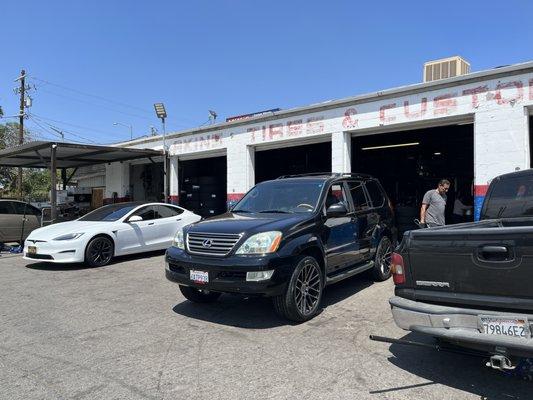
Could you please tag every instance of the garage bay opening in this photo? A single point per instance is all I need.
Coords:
(409, 163)
(202, 185)
(270, 164)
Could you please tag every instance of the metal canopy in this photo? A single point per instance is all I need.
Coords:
(69, 155)
(61, 155)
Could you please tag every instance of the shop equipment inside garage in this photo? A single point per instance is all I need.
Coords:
(202, 184)
(303, 159)
(409, 163)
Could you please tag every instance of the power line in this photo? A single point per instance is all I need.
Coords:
(74, 125)
(36, 120)
(119, 103)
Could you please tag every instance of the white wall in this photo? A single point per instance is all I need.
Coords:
(497, 107)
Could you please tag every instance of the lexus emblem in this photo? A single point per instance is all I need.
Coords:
(207, 243)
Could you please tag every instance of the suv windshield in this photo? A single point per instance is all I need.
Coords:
(112, 212)
(282, 196)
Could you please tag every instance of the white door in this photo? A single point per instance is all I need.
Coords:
(138, 236)
(170, 220)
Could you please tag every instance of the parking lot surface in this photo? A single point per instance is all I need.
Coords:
(124, 332)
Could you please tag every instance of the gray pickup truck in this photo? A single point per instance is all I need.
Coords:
(472, 284)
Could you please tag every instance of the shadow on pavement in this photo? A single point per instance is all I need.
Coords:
(48, 266)
(462, 372)
(258, 312)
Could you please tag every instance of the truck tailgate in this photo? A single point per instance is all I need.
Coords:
(487, 264)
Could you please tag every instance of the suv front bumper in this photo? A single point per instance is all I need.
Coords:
(228, 274)
(459, 326)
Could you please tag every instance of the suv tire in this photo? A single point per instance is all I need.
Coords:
(198, 296)
(301, 300)
(382, 261)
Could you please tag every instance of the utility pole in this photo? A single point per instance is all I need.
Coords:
(22, 90)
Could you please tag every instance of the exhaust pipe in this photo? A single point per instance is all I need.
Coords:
(501, 363)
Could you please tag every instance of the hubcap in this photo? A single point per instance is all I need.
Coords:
(101, 251)
(385, 258)
(307, 292)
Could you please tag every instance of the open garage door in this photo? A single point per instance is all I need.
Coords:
(270, 164)
(147, 182)
(202, 185)
(408, 163)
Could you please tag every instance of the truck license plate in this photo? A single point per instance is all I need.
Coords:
(32, 250)
(199, 276)
(507, 326)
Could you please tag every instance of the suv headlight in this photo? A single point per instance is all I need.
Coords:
(261, 243)
(69, 236)
(178, 240)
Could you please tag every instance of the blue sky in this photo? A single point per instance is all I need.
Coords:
(98, 62)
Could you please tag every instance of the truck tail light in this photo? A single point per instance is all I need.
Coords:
(398, 269)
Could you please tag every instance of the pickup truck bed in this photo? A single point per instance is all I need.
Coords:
(471, 284)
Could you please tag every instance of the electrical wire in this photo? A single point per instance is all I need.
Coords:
(74, 125)
(36, 121)
(119, 103)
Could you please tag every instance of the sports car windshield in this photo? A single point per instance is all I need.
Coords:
(112, 212)
(283, 196)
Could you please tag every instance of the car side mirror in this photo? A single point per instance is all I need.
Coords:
(135, 218)
(336, 210)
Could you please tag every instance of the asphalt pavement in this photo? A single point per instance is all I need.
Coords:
(124, 332)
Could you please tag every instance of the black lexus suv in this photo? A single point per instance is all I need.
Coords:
(287, 239)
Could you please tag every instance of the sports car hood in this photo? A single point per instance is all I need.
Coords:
(250, 223)
(52, 231)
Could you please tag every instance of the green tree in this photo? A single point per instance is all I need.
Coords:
(36, 183)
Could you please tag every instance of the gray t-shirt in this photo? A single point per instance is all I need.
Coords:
(436, 205)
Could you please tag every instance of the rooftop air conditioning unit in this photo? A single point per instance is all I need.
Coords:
(445, 68)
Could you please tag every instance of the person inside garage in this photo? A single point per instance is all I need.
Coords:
(434, 205)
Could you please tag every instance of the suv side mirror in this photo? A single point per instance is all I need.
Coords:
(336, 210)
(135, 218)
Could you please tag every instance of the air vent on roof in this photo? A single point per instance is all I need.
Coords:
(445, 68)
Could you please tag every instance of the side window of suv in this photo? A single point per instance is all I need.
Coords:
(375, 193)
(359, 199)
(336, 194)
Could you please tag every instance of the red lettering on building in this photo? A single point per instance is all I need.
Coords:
(474, 93)
(513, 84)
(275, 130)
(315, 125)
(252, 131)
(348, 121)
(416, 114)
(445, 104)
(382, 109)
(295, 127)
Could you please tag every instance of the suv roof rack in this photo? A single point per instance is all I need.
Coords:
(330, 174)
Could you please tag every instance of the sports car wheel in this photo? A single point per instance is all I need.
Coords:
(99, 251)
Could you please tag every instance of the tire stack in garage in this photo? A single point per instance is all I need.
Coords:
(203, 196)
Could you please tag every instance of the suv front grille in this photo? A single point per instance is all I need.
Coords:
(213, 244)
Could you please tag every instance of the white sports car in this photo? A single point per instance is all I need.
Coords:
(108, 231)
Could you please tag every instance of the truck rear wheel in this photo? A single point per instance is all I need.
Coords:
(382, 262)
(198, 296)
(303, 295)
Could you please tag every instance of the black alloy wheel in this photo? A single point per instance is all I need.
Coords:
(99, 251)
(382, 261)
(301, 300)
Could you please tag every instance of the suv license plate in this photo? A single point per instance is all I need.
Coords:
(32, 250)
(199, 276)
(507, 326)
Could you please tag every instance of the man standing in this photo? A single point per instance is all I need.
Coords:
(434, 205)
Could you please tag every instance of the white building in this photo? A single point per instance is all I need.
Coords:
(468, 129)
